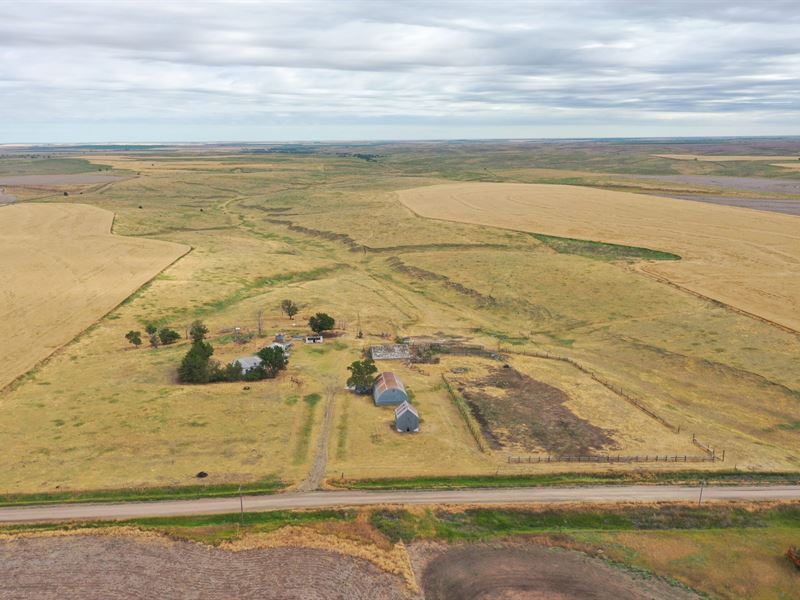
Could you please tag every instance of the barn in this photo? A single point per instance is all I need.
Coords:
(388, 389)
(406, 418)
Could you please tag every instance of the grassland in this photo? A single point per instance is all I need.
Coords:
(727, 254)
(328, 232)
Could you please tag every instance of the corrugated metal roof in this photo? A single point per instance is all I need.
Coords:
(388, 381)
(403, 408)
(248, 362)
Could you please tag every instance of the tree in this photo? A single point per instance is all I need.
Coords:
(230, 372)
(154, 341)
(198, 332)
(150, 329)
(168, 336)
(134, 337)
(195, 366)
(274, 360)
(290, 308)
(321, 322)
(362, 374)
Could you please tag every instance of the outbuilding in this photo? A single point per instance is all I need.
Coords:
(388, 389)
(284, 346)
(248, 363)
(406, 418)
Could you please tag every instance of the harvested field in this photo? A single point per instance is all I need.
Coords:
(725, 157)
(763, 185)
(517, 411)
(62, 270)
(65, 179)
(531, 571)
(788, 207)
(752, 264)
(108, 567)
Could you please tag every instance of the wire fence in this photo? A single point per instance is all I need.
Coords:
(614, 458)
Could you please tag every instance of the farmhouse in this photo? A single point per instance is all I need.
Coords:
(406, 418)
(248, 363)
(390, 352)
(388, 389)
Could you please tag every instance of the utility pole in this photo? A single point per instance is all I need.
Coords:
(260, 322)
(702, 484)
(241, 507)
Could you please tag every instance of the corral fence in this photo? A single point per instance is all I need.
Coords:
(711, 452)
(611, 458)
(466, 414)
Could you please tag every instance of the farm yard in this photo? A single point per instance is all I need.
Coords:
(605, 356)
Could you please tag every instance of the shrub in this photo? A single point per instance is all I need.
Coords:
(134, 337)
(168, 336)
(321, 322)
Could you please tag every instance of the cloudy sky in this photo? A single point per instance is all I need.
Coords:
(202, 71)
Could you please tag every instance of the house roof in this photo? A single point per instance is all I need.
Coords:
(388, 381)
(248, 362)
(404, 408)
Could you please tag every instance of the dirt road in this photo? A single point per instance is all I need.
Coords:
(317, 471)
(331, 499)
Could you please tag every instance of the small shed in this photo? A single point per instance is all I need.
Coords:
(285, 346)
(248, 363)
(388, 389)
(406, 418)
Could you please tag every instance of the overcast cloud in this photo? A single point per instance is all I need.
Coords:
(201, 71)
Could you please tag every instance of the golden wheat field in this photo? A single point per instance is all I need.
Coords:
(62, 269)
(747, 260)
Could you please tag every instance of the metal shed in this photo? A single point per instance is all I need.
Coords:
(248, 363)
(388, 389)
(406, 418)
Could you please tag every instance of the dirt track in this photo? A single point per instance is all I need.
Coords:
(531, 571)
(109, 567)
(593, 494)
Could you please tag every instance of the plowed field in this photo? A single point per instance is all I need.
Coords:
(531, 571)
(109, 567)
